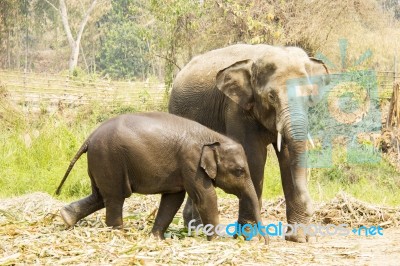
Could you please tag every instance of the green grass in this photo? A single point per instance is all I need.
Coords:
(35, 151)
(372, 182)
(39, 166)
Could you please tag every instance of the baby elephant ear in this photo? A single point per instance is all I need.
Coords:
(209, 160)
(235, 82)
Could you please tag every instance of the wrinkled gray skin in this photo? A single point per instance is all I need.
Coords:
(153, 153)
(240, 91)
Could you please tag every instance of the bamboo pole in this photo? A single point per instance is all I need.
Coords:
(397, 99)
(393, 118)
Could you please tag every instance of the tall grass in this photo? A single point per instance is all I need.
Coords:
(34, 158)
(36, 149)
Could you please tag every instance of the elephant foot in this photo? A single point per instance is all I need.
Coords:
(265, 238)
(191, 222)
(297, 235)
(118, 227)
(296, 238)
(158, 235)
(251, 237)
(211, 237)
(69, 216)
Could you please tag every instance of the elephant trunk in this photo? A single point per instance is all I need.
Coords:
(249, 208)
(249, 212)
(295, 132)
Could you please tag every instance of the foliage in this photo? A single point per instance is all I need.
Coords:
(123, 50)
(173, 32)
(251, 21)
(139, 39)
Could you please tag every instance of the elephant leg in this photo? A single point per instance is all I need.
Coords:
(256, 154)
(75, 211)
(298, 201)
(190, 213)
(169, 205)
(205, 200)
(114, 211)
(208, 211)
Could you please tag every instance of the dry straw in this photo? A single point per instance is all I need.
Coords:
(32, 232)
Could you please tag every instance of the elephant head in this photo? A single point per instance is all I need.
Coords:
(227, 166)
(260, 86)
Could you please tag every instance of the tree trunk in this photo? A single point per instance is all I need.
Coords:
(73, 44)
(73, 61)
(8, 49)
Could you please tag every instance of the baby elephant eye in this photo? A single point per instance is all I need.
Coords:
(239, 171)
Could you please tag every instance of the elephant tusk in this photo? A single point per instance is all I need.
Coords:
(310, 140)
(279, 142)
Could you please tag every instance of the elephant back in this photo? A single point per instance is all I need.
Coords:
(201, 71)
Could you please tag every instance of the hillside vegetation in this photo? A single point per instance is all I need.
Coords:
(136, 39)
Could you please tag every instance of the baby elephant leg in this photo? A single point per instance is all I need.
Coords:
(169, 205)
(205, 200)
(77, 210)
(114, 212)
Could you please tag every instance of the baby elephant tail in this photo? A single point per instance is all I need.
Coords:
(81, 151)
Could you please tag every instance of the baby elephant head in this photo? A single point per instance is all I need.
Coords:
(226, 164)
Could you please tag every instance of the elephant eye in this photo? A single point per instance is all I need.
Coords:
(271, 97)
(239, 172)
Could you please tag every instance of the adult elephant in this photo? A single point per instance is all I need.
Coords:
(241, 91)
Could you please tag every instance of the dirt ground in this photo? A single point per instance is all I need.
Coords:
(351, 250)
(32, 232)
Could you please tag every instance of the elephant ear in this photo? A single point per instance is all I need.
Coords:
(320, 74)
(209, 159)
(235, 82)
(318, 68)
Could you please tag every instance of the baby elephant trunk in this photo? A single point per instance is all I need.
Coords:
(249, 213)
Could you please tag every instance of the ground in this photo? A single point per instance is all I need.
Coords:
(32, 232)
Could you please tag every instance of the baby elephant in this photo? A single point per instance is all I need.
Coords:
(151, 153)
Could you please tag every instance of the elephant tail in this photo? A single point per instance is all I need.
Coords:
(81, 151)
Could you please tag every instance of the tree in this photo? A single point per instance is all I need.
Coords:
(73, 43)
(8, 11)
(123, 52)
(173, 31)
(13, 25)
